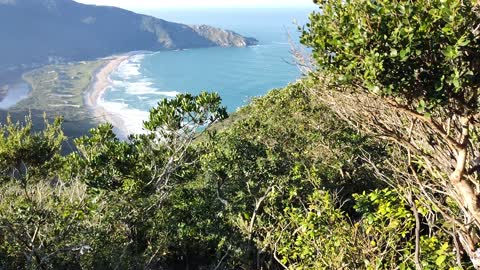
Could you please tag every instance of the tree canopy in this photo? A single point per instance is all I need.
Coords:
(426, 51)
(409, 71)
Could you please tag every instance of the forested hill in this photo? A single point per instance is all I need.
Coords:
(39, 31)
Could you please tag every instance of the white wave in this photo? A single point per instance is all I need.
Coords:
(128, 79)
(118, 100)
(137, 58)
(153, 102)
(130, 68)
(143, 87)
(131, 118)
(115, 84)
(139, 88)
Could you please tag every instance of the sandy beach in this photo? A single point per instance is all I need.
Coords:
(99, 84)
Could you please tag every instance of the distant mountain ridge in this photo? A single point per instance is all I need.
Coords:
(42, 31)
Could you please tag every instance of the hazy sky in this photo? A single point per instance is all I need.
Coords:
(156, 4)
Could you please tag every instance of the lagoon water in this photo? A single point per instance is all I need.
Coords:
(237, 74)
(16, 92)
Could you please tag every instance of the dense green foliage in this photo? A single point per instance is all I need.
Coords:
(274, 186)
(425, 51)
(287, 182)
(412, 68)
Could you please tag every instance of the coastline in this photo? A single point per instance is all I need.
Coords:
(13, 88)
(13, 93)
(99, 84)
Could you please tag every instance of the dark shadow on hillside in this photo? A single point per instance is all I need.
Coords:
(72, 128)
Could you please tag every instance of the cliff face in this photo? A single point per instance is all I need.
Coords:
(223, 38)
(41, 31)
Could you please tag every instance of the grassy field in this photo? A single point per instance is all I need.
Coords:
(58, 90)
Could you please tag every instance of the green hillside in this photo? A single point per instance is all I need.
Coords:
(38, 32)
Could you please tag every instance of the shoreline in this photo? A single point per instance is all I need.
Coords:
(13, 93)
(98, 86)
(13, 88)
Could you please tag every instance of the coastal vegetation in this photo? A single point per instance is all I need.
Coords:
(59, 91)
(370, 161)
(59, 88)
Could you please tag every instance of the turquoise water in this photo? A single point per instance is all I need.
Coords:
(238, 74)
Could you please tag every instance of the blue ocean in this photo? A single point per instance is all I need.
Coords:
(237, 74)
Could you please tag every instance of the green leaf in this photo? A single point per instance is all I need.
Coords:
(450, 52)
(440, 260)
(404, 54)
(421, 106)
(393, 52)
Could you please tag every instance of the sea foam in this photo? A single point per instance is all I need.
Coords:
(131, 67)
(128, 83)
(131, 119)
